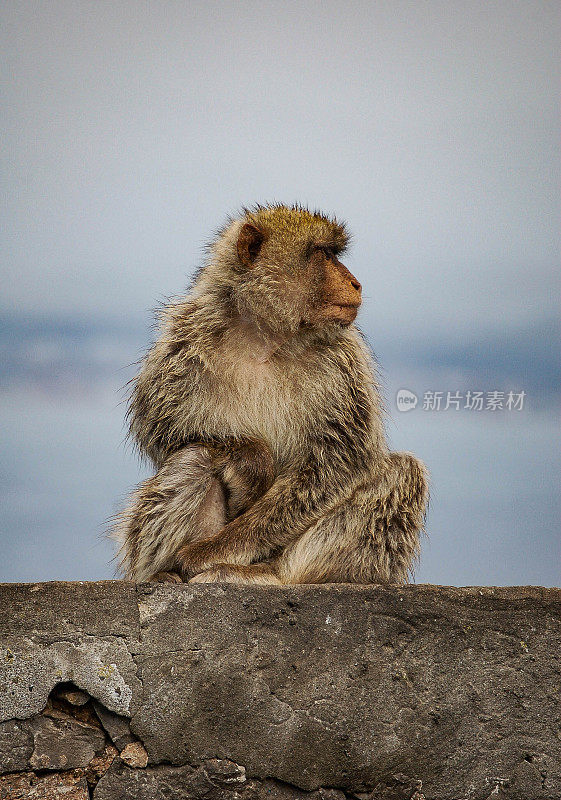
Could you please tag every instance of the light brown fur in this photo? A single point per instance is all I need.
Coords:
(259, 407)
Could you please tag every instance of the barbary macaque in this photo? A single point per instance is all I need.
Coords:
(259, 407)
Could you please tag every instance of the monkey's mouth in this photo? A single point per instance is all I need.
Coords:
(345, 313)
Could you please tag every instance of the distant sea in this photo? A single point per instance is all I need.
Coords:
(494, 516)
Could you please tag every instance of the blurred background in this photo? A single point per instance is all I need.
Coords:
(131, 130)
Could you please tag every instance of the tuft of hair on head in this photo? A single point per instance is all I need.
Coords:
(298, 221)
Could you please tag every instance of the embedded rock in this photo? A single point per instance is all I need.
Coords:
(16, 745)
(134, 755)
(117, 727)
(63, 745)
(73, 696)
(181, 783)
(54, 786)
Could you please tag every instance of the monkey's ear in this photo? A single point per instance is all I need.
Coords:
(250, 240)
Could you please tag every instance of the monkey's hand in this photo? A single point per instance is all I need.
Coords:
(196, 557)
(166, 577)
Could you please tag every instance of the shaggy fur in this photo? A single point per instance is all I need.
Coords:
(259, 407)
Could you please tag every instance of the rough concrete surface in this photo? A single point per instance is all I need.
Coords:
(110, 690)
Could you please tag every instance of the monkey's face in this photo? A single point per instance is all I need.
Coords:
(337, 295)
(297, 277)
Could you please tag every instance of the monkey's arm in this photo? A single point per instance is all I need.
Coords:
(168, 394)
(284, 512)
(396, 490)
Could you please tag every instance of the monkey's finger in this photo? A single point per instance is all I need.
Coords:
(166, 577)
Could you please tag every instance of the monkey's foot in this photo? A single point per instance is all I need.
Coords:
(166, 577)
(211, 575)
(235, 573)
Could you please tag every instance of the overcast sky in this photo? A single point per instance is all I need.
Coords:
(132, 129)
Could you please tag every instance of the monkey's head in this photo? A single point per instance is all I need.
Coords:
(280, 266)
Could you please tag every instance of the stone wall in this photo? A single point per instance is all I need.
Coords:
(112, 691)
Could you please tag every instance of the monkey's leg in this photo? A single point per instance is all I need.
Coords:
(193, 495)
(373, 537)
(182, 502)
